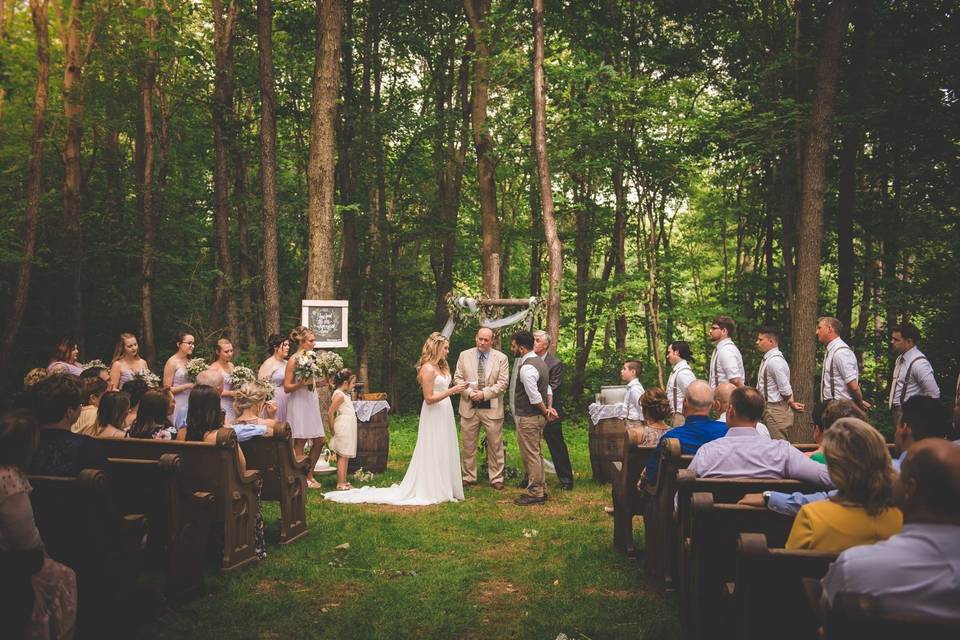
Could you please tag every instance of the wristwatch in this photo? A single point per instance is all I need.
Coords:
(766, 498)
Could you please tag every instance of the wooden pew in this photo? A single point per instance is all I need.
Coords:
(628, 500)
(768, 591)
(179, 526)
(214, 469)
(284, 479)
(82, 528)
(659, 520)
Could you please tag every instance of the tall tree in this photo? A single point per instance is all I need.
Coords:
(810, 224)
(554, 248)
(478, 11)
(320, 173)
(268, 167)
(147, 87)
(38, 13)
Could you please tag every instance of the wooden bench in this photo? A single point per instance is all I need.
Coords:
(208, 468)
(768, 591)
(659, 519)
(178, 526)
(82, 528)
(284, 479)
(628, 500)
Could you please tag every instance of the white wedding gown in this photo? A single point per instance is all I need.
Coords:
(434, 472)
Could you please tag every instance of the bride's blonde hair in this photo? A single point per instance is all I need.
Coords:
(430, 354)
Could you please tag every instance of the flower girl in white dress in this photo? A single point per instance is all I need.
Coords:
(342, 419)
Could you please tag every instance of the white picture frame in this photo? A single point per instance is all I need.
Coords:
(328, 320)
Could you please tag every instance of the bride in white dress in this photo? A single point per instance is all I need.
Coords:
(434, 472)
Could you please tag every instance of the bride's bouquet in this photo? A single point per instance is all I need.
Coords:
(329, 362)
(307, 367)
(242, 374)
(152, 379)
(194, 367)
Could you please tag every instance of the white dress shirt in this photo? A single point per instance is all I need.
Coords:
(920, 383)
(726, 363)
(680, 378)
(631, 401)
(839, 368)
(916, 571)
(773, 378)
(744, 453)
(529, 376)
(761, 428)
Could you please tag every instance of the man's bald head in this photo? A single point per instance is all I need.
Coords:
(484, 339)
(722, 395)
(929, 484)
(698, 399)
(211, 378)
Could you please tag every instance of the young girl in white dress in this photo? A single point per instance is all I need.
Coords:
(344, 427)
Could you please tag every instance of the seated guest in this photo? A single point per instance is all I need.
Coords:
(204, 419)
(744, 453)
(629, 373)
(656, 410)
(153, 418)
(917, 571)
(51, 586)
(721, 403)
(248, 402)
(96, 372)
(861, 511)
(135, 389)
(93, 389)
(696, 430)
(830, 412)
(112, 415)
(61, 452)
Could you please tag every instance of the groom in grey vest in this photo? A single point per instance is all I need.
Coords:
(531, 411)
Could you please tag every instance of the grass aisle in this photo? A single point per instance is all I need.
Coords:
(474, 569)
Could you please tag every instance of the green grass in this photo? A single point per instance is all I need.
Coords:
(463, 570)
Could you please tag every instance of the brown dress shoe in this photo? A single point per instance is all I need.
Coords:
(498, 486)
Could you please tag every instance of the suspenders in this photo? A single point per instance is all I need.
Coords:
(766, 377)
(906, 379)
(830, 370)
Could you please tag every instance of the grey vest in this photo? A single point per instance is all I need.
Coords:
(521, 399)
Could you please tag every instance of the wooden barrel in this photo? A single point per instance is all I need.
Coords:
(606, 446)
(373, 444)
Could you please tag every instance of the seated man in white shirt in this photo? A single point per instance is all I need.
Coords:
(917, 571)
(744, 453)
(721, 402)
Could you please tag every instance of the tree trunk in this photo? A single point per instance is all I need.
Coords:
(554, 248)
(477, 12)
(810, 227)
(620, 255)
(583, 245)
(348, 267)
(224, 26)
(536, 239)
(147, 85)
(38, 12)
(268, 167)
(653, 296)
(245, 262)
(320, 172)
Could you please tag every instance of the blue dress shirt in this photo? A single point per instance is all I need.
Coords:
(693, 433)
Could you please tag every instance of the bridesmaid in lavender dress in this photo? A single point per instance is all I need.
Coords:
(274, 369)
(176, 379)
(127, 362)
(65, 358)
(224, 365)
(303, 405)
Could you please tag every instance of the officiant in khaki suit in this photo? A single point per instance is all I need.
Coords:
(487, 372)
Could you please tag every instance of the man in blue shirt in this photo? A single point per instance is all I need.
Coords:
(698, 429)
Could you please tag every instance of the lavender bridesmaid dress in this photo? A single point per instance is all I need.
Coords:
(181, 398)
(226, 402)
(279, 395)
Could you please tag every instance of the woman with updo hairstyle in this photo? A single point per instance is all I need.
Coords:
(342, 418)
(175, 375)
(65, 357)
(127, 362)
(112, 414)
(862, 511)
(303, 405)
(153, 417)
(249, 404)
(274, 369)
(656, 410)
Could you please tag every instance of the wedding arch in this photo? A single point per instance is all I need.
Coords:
(463, 308)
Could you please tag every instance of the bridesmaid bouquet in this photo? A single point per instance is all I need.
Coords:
(194, 367)
(329, 363)
(152, 379)
(241, 375)
(93, 363)
(307, 367)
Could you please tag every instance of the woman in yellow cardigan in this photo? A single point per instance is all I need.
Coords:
(862, 510)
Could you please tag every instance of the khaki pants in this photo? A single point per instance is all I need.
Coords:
(469, 433)
(678, 420)
(529, 433)
(896, 414)
(778, 417)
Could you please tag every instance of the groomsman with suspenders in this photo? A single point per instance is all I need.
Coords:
(840, 379)
(773, 383)
(680, 357)
(912, 373)
(726, 364)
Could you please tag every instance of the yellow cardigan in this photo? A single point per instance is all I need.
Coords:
(833, 526)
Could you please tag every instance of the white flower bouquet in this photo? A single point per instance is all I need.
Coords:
(152, 379)
(329, 363)
(93, 363)
(194, 367)
(242, 374)
(307, 367)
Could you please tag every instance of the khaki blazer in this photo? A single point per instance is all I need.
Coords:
(495, 385)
